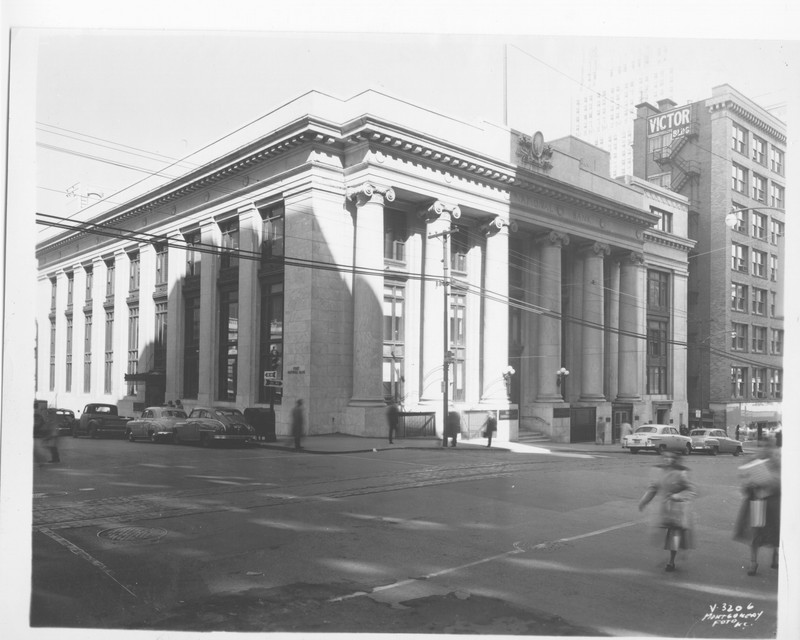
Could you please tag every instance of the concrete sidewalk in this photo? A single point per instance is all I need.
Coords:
(343, 443)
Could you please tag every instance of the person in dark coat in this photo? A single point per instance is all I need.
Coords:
(676, 493)
(452, 428)
(392, 417)
(758, 523)
(298, 422)
(490, 426)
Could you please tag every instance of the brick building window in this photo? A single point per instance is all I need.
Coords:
(759, 342)
(759, 262)
(776, 342)
(758, 381)
(738, 297)
(775, 230)
(759, 301)
(776, 160)
(759, 188)
(759, 150)
(738, 382)
(741, 218)
(739, 339)
(759, 222)
(739, 257)
(739, 138)
(739, 178)
(776, 197)
(776, 383)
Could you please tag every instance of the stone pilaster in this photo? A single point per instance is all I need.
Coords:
(593, 325)
(176, 268)
(632, 329)
(612, 330)
(495, 315)
(209, 311)
(247, 361)
(549, 339)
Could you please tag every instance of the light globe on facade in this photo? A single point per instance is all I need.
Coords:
(563, 371)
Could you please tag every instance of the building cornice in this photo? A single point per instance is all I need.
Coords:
(729, 104)
(669, 240)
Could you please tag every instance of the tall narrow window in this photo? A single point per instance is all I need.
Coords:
(70, 289)
(776, 198)
(657, 356)
(53, 354)
(775, 230)
(133, 348)
(109, 361)
(87, 353)
(393, 341)
(738, 257)
(776, 160)
(53, 290)
(759, 263)
(739, 338)
(192, 253)
(758, 382)
(739, 139)
(110, 277)
(759, 301)
(228, 345)
(759, 226)
(759, 150)
(68, 381)
(738, 297)
(759, 188)
(272, 235)
(89, 284)
(162, 256)
(458, 345)
(459, 246)
(230, 244)
(759, 342)
(776, 383)
(741, 218)
(657, 290)
(271, 343)
(738, 382)
(395, 235)
(160, 340)
(191, 348)
(134, 272)
(776, 342)
(738, 178)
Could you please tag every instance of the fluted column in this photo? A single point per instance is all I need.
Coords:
(368, 294)
(593, 327)
(247, 376)
(549, 339)
(612, 330)
(495, 314)
(631, 327)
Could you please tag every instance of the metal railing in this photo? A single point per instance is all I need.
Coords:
(416, 424)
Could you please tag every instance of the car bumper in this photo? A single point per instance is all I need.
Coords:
(640, 447)
(232, 438)
(700, 448)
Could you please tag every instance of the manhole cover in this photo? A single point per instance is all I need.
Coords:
(132, 534)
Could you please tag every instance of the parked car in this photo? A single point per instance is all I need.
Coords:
(658, 438)
(208, 425)
(155, 423)
(714, 441)
(61, 419)
(100, 419)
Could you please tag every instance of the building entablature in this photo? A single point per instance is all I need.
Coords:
(727, 103)
(669, 240)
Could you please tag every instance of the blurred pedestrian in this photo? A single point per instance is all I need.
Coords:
(489, 427)
(758, 523)
(675, 493)
(392, 418)
(737, 431)
(298, 423)
(452, 428)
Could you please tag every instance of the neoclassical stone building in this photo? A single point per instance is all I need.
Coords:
(335, 246)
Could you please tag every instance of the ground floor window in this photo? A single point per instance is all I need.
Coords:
(133, 347)
(68, 383)
(87, 354)
(458, 344)
(109, 362)
(657, 356)
(228, 345)
(271, 341)
(191, 348)
(393, 341)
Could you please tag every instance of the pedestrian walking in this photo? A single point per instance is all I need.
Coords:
(675, 493)
(298, 423)
(47, 435)
(452, 428)
(489, 427)
(737, 431)
(758, 523)
(392, 417)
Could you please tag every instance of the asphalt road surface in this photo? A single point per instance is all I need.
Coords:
(166, 537)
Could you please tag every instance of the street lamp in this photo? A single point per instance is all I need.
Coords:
(731, 218)
(560, 376)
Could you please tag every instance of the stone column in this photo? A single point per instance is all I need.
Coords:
(176, 268)
(432, 308)
(631, 327)
(495, 315)
(122, 276)
(368, 295)
(209, 311)
(612, 330)
(548, 345)
(247, 363)
(593, 325)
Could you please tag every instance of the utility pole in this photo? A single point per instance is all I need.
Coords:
(447, 356)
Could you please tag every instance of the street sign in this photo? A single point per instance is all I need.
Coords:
(270, 374)
(273, 383)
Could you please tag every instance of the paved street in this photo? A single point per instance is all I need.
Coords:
(411, 538)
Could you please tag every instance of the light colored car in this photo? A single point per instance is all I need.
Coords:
(658, 438)
(714, 441)
(207, 425)
(155, 423)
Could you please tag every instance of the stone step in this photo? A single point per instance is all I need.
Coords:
(532, 436)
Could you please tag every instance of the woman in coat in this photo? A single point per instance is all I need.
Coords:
(675, 493)
(758, 523)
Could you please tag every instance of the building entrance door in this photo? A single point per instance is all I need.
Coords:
(582, 424)
(621, 413)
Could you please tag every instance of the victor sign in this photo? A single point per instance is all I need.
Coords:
(676, 121)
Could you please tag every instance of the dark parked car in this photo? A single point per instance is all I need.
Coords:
(62, 419)
(208, 425)
(100, 419)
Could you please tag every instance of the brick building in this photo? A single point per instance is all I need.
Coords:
(312, 248)
(727, 155)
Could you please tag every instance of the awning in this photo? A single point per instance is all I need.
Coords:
(148, 376)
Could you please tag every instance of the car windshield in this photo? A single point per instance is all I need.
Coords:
(173, 414)
(228, 412)
(647, 430)
(699, 432)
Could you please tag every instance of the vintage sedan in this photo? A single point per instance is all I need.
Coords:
(714, 441)
(61, 421)
(155, 424)
(209, 425)
(658, 438)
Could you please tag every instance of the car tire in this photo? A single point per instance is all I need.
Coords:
(634, 450)
(714, 451)
(131, 438)
(738, 451)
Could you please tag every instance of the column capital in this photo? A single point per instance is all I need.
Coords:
(368, 191)
(435, 211)
(555, 238)
(596, 248)
(497, 225)
(635, 258)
